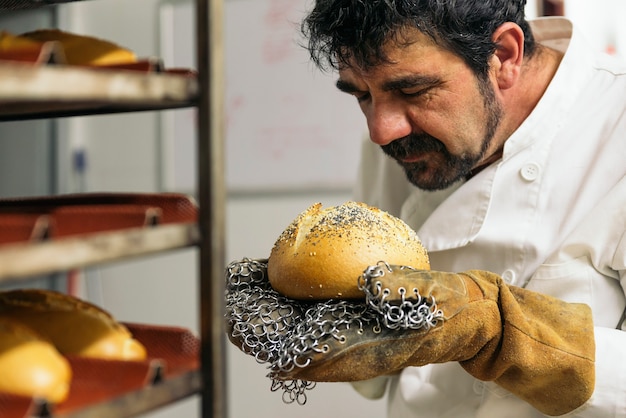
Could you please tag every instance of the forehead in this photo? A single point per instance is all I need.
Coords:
(410, 52)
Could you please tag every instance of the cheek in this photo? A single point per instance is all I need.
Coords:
(459, 126)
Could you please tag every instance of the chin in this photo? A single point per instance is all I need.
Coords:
(430, 181)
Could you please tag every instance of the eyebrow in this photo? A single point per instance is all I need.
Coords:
(346, 86)
(406, 82)
(412, 81)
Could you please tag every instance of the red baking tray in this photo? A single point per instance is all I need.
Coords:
(18, 406)
(171, 351)
(35, 219)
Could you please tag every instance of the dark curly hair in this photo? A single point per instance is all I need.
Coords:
(343, 31)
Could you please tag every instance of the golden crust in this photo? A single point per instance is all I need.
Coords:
(71, 324)
(323, 252)
(46, 300)
(84, 50)
(30, 365)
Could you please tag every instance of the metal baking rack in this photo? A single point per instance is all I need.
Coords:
(60, 91)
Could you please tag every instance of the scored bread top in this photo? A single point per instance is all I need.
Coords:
(315, 225)
(322, 252)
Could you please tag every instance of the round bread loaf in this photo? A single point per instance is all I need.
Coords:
(30, 365)
(323, 252)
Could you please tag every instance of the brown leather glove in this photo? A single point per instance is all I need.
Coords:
(539, 348)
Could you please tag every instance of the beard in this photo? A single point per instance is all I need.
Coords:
(440, 169)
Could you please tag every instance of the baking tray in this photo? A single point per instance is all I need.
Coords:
(171, 352)
(38, 219)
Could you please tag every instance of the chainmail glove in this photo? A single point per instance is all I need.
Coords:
(292, 335)
(537, 347)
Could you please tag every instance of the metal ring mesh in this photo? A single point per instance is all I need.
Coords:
(284, 333)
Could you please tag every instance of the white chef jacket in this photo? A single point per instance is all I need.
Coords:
(549, 216)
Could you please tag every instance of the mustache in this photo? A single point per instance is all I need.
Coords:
(413, 144)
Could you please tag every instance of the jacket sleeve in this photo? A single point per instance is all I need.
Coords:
(373, 388)
(609, 397)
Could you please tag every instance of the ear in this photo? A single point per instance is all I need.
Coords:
(509, 54)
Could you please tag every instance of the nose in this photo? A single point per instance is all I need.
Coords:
(386, 123)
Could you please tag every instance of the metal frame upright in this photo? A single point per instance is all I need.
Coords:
(211, 199)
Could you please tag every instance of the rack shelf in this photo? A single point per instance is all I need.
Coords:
(19, 261)
(129, 403)
(34, 91)
(169, 374)
(143, 400)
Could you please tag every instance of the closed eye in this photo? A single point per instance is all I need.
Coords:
(413, 86)
(361, 97)
(351, 89)
(414, 92)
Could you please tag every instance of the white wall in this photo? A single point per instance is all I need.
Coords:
(602, 21)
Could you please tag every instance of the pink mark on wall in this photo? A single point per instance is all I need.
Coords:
(278, 44)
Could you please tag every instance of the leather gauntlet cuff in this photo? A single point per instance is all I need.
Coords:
(546, 351)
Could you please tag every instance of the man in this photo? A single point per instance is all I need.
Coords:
(503, 145)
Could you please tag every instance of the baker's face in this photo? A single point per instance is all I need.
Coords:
(428, 111)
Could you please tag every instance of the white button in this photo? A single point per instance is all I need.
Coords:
(508, 276)
(530, 171)
(479, 387)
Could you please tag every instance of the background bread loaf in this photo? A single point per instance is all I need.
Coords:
(30, 365)
(72, 325)
(82, 49)
(322, 253)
